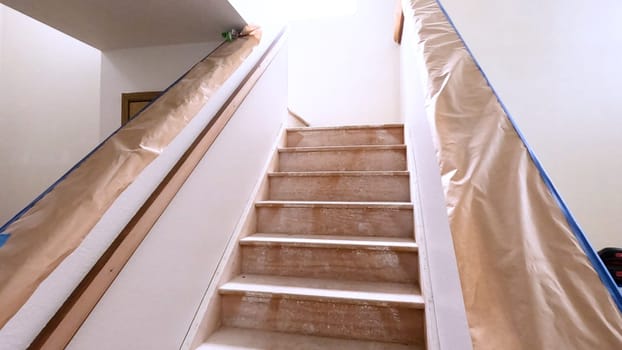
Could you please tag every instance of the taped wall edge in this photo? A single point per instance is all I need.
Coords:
(42, 235)
(527, 274)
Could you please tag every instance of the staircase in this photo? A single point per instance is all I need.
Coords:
(333, 263)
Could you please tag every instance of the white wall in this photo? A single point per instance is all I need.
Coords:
(153, 301)
(556, 65)
(2, 10)
(142, 69)
(345, 69)
(49, 99)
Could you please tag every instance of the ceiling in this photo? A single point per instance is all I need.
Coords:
(117, 24)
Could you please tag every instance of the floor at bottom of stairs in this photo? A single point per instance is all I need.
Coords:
(245, 339)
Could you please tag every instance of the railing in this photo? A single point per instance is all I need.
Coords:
(61, 328)
(529, 275)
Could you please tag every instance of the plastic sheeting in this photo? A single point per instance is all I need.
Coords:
(527, 272)
(41, 237)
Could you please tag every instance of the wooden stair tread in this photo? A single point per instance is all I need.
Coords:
(331, 260)
(342, 148)
(385, 219)
(326, 241)
(339, 173)
(343, 158)
(377, 293)
(388, 134)
(248, 339)
(355, 186)
(333, 204)
(346, 127)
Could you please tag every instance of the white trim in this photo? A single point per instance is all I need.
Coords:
(446, 320)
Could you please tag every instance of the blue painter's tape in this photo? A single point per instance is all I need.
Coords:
(64, 176)
(597, 263)
(3, 238)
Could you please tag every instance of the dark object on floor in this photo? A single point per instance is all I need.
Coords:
(612, 257)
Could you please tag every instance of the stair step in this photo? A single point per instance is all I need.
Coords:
(368, 311)
(383, 219)
(350, 292)
(374, 186)
(334, 264)
(314, 256)
(248, 339)
(347, 127)
(325, 241)
(389, 134)
(382, 157)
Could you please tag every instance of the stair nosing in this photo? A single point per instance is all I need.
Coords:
(342, 148)
(339, 173)
(254, 339)
(240, 285)
(346, 127)
(331, 242)
(334, 204)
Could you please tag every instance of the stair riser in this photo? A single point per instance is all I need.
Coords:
(359, 160)
(345, 137)
(333, 263)
(384, 222)
(377, 188)
(324, 318)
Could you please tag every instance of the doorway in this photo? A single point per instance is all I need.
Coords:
(133, 102)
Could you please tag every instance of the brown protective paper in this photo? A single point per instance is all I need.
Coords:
(526, 281)
(58, 223)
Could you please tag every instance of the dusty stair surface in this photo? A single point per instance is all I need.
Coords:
(333, 263)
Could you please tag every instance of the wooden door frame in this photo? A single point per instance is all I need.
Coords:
(130, 97)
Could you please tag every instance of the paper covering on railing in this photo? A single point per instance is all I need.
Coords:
(527, 276)
(39, 240)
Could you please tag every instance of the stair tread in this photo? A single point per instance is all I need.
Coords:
(247, 339)
(333, 204)
(347, 127)
(342, 148)
(398, 294)
(331, 241)
(340, 173)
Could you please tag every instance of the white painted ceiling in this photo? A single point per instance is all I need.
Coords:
(117, 24)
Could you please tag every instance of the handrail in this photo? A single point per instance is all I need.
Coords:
(45, 233)
(298, 117)
(509, 225)
(69, 318)
(398, 27)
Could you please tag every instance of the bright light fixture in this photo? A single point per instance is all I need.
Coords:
(296, 10)
(293, 10)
